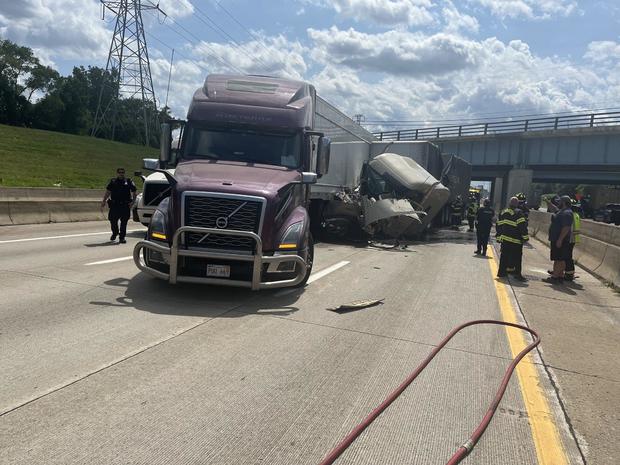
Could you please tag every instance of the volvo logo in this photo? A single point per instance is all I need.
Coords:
(222, 221)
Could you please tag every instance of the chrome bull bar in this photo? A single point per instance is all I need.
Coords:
(174, 252)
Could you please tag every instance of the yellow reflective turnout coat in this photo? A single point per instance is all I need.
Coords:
(512, 227)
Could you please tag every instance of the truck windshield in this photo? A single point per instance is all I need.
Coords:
(244, 145)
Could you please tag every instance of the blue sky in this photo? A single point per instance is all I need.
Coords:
(413, 60)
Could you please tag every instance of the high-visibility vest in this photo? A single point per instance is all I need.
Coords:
(575, 234)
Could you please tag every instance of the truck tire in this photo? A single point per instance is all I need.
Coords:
(309, 261)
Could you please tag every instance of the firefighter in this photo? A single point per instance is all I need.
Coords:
(523, 205)
(512, 234)
(456, 212)
(472, 209)
(120, 195)
(484, 221)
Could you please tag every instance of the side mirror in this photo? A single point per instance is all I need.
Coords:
(322, 159)
(309, 177)
(139, 174)
(150, 164)
(165, 144)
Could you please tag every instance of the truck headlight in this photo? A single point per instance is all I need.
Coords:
(158, 226)
(291, 236)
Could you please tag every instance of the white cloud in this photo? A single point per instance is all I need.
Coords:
(604, 51)
(388, 12)
(395, 52)
(458, 22)
(394, 74)
(530, 9)
(274, 55)
(68, 29)
(56, 28)
(187, 76)
(175, 8)
(490, 77)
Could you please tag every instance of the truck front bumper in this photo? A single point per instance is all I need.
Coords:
(173, 253)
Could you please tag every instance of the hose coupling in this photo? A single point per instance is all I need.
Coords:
(468, 446)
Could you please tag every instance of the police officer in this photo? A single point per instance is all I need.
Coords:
(484, 221)
(511, 233)
(120, 195)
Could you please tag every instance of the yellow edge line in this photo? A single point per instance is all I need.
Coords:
(549, 449)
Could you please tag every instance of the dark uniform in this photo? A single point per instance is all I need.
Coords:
(512, 233)
(119, 201)
(524, 209)
(456, 212)
(472, 210)
(484, 221)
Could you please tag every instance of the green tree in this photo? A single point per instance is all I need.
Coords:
(41, 78)
(47, 112)
(16, 63)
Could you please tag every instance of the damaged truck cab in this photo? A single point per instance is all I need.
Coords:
(237, 213)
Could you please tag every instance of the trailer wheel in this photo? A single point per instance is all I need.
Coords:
(309, 261)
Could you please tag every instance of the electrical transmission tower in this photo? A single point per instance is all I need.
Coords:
(128, 71)
(359, 118)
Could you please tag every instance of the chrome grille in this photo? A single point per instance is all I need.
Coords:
(239, 214)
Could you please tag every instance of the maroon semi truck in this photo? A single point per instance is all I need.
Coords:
(237, 210)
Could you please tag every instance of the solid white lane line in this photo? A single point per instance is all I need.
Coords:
(112, 260)
(11, 241)
(314, 277)
(326, 271)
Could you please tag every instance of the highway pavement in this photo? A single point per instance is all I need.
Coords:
(102, 364)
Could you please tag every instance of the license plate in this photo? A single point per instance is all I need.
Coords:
(218, 271)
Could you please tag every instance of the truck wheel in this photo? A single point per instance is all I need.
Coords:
(309, 261)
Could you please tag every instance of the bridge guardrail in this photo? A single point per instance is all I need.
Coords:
(589, 120)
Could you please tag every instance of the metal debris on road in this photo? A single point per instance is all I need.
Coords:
(357, 305)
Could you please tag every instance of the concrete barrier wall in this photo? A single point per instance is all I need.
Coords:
(42, 205)
(598, 251)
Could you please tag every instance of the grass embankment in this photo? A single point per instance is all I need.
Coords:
(35, 158)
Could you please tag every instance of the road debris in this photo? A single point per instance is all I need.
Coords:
(356, 305)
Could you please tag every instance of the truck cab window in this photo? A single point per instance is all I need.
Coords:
(280, 149)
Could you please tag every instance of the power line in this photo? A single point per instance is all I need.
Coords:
(222, 33)
(197, 63)
(214, 54)
(259, 41)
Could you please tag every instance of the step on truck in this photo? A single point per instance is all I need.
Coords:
(236, 213)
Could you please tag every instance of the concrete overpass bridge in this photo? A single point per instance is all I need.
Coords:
(514, 154)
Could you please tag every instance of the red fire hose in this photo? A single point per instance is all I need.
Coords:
(468, 446)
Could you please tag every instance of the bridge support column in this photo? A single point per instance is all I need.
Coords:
(498, 192)
(518, 180)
